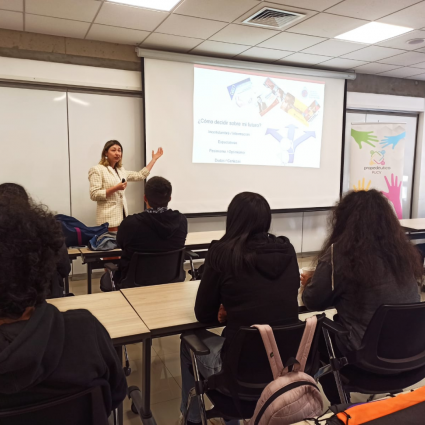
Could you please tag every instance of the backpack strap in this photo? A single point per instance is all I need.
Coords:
(305, 344)
(270, 345)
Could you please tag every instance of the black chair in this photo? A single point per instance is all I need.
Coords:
(246, 361)
(84, 408)
(391, 356)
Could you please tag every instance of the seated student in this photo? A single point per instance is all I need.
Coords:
(45, 354)
(14, 191)
(374, 264)
(157, 229)
(253, 274)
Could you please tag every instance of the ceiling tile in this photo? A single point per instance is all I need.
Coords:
(375, 68)
(304, 58)
(116, 34)
(16, 5)
(369, 9)
(190, 27)
(420, 77)
(215, 48)
(79, 10)
(400, 41)
(342, 63)
(405, 59)
(326, 25)
(56, 26)
(373, 53)
(11, 20)
(263, 55)
(318, 5)
(136, 18)
(418, 65)
(172, 43)
(220, 10)
(412, 17)
(333, 48)
(242, 34)
(290, 41)
(401, 72)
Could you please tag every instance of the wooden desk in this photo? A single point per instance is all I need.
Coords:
(202, 240)
(165, 309)
(96, 260)
(113, 311)
(73, 254)
(413, 224)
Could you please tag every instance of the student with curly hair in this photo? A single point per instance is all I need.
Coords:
(45, 354)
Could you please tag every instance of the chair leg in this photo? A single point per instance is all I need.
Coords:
(199, 394)
(337, 376)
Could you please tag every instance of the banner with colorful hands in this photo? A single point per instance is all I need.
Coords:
(377, 158)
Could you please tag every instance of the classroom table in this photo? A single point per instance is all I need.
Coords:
(73, 254)
(116, 315)
(414, 227)
(166, 310)
(97, 259)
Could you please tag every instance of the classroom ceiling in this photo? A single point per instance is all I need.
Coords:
(215, 28)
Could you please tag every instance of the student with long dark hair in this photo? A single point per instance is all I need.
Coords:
(252, 274)
(374, 264)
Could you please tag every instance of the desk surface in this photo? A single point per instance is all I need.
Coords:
(201, 238)
(89, 253)
(415, 224)
(112, 310)
(74, 252)
(165, 307)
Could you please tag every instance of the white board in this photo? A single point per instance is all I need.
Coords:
(93, 120)
(34, 140)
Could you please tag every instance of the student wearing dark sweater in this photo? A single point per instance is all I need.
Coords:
(13, 192)
(45, 354)
(252, 275)
(156, 229)
(373, 264)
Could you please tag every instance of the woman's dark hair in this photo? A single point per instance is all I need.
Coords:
(30, 239)
(13, 190)
(158, 192)
(248, 215)
(366, 232)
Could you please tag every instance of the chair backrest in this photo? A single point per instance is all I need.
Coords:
(246, 359)
(84, 408)
(394, 341)
(154, 268)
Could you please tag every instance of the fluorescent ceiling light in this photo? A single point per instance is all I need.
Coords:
(373, 32)
(166, 5)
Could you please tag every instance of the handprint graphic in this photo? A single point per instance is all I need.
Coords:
(393, 194)
(361, 186)
(392, 140)
(364, 137)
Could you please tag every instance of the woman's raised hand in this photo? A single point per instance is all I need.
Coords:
(158, 154)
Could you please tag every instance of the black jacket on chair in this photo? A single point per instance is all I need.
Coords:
(265, 295)
(54, 354)
(150, 232)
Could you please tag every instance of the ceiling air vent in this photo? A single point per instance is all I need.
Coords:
(272, 18)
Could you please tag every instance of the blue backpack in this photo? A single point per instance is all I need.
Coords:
(77, 233)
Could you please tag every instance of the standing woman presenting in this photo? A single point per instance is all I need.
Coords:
(107, 187)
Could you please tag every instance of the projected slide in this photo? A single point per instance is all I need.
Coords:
(251, 118)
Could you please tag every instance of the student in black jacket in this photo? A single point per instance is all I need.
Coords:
(373, 264)
(157, 229)
(252, 274)
(45, 354)
(13, 192)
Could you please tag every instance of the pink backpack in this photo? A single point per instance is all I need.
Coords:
(291, 396)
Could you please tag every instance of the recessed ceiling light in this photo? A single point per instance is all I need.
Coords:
(373, 32)
(166, 5)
